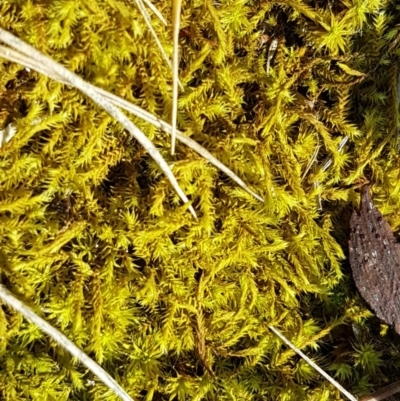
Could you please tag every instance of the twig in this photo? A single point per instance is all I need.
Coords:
(313, 364)
(8, 298)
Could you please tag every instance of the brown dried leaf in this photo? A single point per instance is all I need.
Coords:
(375, 261)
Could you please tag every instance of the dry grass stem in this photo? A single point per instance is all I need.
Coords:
(147, 20)
(8, 298)
(313, 364)
(383, 393)
(327, 163)
(176, 21)
(155, 11)
(311, 162)
(28, 62)
(89, 91)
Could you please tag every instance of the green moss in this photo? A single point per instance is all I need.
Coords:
(94, 237)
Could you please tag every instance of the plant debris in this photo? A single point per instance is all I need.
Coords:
(375, 261)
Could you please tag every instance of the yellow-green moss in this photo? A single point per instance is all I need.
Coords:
(94, 237)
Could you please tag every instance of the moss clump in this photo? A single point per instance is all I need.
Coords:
(93, 236)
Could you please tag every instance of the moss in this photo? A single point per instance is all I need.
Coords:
(94, 237)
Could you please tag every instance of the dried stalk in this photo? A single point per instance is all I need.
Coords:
(8, 298)
(313, 364)
(147, 20)
(28, 62)
(89, 91)
(383, 393)
(176, 21)
(155, 11)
